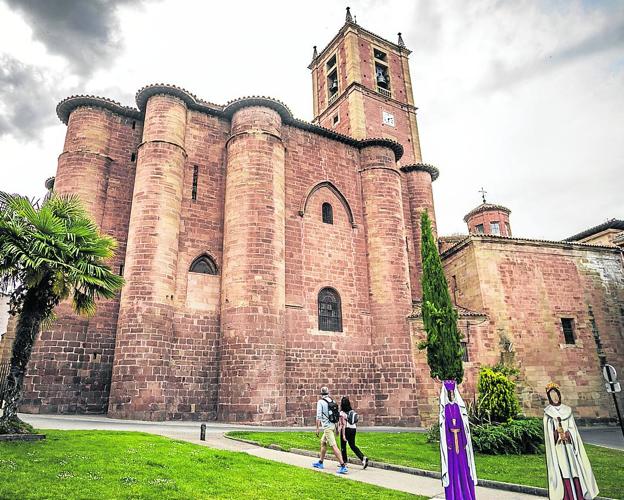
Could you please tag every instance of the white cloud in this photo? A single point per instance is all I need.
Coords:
(524, 98)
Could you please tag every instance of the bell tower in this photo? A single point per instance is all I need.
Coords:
(362, 88)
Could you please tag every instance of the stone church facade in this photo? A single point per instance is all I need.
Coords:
(265, 256)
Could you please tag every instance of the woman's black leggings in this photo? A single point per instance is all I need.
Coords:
(350, 435)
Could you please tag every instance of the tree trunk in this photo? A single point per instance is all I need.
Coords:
(27, 328)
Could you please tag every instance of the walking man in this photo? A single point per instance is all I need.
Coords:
(327, 415)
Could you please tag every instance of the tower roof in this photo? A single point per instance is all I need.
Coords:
(350, 23)
(486, 207)
(610, 224)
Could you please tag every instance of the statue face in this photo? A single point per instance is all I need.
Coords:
(449, 385)
(554, 396)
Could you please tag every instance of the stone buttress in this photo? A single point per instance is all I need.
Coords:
(390, 297)
(145, 331)
(252, 368)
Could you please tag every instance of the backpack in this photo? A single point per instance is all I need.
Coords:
(333, 413)
(352, 417)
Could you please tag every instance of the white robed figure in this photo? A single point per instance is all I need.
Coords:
(459, 475)
(570, 476)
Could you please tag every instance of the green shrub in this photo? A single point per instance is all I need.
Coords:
(519, 437)
(433, 436)
(497, 396)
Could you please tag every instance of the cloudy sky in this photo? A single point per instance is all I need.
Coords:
(524, 98)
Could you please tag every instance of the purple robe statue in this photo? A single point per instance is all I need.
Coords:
(457, 459)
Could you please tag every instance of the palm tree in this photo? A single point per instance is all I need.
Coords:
(48, 253)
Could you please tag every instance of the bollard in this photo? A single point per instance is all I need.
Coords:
(202, 432)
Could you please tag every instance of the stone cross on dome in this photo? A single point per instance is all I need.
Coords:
(483, 193)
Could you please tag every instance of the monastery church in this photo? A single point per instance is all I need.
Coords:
(266, 256)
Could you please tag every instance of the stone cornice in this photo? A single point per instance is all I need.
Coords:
(66, 106)
(384, 143)
(486, 207)
(490, 238)
(422, 167)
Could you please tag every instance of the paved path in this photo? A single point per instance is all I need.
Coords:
(189, 431)
(610, 437)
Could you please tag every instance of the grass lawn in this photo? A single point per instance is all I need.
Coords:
(110, 465)
(412, 449)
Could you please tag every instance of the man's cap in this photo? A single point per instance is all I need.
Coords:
(324, 391)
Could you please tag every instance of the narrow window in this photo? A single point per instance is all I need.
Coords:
(479, 229)
(329, 310)
(508, 228)
(204, 265)
(133, 124)
(464, 346)
(495, 228)
(328, 213)
(195, 176)
(121, 269)
(336, 119)
(568, 330)
(133, 157)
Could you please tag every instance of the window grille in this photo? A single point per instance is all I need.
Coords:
(568, 330)
(204, 264)
(195, 177)
(328, 213)
(329, 310)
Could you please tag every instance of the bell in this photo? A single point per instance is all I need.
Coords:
(381, 79)
(334, 85)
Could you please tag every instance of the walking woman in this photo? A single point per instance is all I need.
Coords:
(347, 427)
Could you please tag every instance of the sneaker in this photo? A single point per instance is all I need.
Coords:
(365, 463)
(318, 465)
(342, 469)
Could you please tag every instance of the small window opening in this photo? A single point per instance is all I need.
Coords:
(479, 229)
(464, 346)
(335, 119)
(121, 269)
(204, 265)
(331, 62)
(133, 124)
(508, 229)
(133, 157)
(495, 228)
(329, 310)
(328, 213)
(195, 176)
(568, 330)
(382, 56)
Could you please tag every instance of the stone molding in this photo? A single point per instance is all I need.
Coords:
(337, 193)
(422, 167)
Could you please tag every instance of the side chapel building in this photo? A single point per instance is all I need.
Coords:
(265, 256)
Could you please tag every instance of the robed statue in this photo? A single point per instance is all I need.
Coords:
(570, 476)
(459, 476)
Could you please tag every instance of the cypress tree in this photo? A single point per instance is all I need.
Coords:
(444, 350)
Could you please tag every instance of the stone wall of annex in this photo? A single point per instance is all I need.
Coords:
(524, 288)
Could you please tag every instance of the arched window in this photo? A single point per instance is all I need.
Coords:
(329, 310)
(203, 264)
(328, 213)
